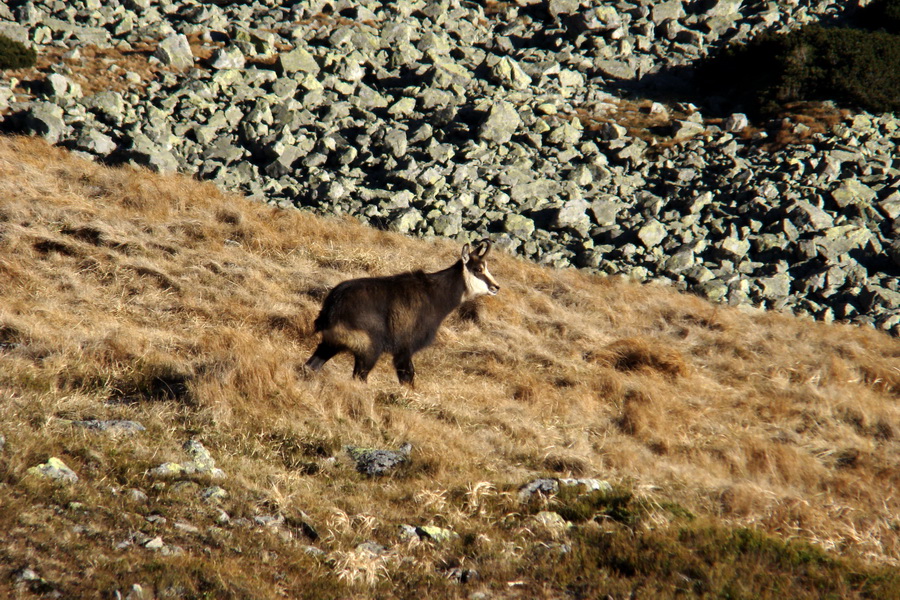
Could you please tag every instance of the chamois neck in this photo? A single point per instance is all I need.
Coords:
(449, 286)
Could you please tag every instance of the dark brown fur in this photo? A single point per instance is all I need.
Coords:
(398, 314)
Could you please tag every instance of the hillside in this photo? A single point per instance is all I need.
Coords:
(749, 453)
(572, 132)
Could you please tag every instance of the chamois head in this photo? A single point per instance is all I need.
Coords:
(479, 280)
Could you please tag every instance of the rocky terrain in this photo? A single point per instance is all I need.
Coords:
(541, 124)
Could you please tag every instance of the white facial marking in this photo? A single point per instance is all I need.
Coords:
(479, 285)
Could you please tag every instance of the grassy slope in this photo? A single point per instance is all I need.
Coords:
(125, 294)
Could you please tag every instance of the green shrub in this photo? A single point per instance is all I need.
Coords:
(851, 67)
(15, 55)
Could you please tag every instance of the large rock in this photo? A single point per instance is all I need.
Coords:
(54, 469)
(664, 11)
(46, 120)
(652, 233)
(507, 72)
(518, 226)
(298, 60)
(776, 287)
(573, 216)
(853, 191)
(228, 58)
(96, 143)
(811, 216)
(175, 51)
(109, 105)
(371, 461)
(501, 123)
(837, 241)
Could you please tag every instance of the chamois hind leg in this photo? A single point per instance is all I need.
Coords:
(363, 363)
(406, 372)
(324, 352)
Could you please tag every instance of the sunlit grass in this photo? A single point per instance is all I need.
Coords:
(127, 295)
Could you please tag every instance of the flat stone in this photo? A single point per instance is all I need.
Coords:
(775, 287)
(111, 426)
(298, 60)
(96, 142)
(839, 240)
(617, 69)
(436, 534)
(663, 11)
(811, 215)
(853, 191)
(714, 289)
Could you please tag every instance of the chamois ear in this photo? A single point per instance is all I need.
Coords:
(483, 248)
(465, 254)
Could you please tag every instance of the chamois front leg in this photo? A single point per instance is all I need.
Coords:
(406, 372)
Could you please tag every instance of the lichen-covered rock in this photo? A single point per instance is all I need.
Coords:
(501, 123)
(175, 51)
(111, 426)
(46, 120)
(371, 461)
(54, 469)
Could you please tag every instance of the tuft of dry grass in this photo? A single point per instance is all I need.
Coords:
(127, 295)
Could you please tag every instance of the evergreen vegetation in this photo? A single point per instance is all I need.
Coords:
(15, 55)
(854, 67)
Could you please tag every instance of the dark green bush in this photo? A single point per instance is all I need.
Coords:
(852, 67)
(15, 55)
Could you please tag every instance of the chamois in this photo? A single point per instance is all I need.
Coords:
(398, 314)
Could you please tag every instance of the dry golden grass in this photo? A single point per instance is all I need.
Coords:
(124, 294)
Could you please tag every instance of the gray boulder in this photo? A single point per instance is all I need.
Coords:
(853, 191)
(372, 462)
(230, 57)
(776, 287)
(175, 51)
(604, 211)
(108, 105)
(501, 123)
(518, 226)
(811, 215)
(298, 60)
(573, 216)
(652, 233)
(664, 11)
(95, 142)
(46, 120)
(507, 72)
(56, 470)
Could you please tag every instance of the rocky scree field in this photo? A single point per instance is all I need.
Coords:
(573, 436)
(547, 125)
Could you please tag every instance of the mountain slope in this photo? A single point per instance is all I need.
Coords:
(131, 296)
